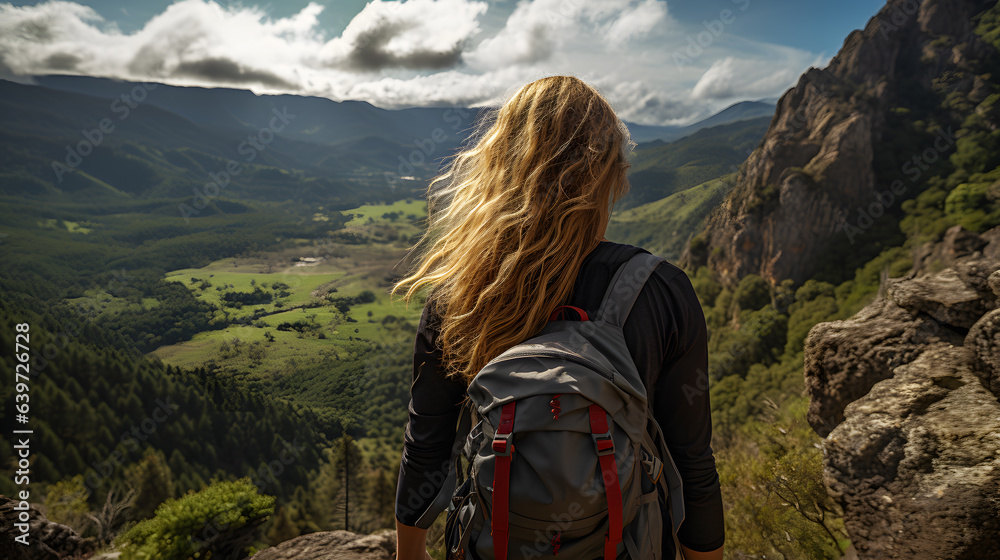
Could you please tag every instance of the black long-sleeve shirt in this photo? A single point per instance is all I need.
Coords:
(667, 338)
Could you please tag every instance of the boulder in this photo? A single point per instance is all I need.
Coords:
(907, 395)
(333, 545)
(47, 540)
(916, 462)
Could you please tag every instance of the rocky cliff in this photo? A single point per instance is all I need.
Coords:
(47, 540)
(825, 168)
(907, 393)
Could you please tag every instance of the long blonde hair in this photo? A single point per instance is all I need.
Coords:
(513, 216)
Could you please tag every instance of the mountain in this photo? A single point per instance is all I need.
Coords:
(744, 110)
(907, 107)
(54, 146)
(332, 121)
(855, 261)
(173, 143)
(660, 169)
(316, 119)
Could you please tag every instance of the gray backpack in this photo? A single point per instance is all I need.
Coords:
(564, 456)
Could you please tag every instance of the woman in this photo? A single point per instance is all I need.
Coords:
(516, 228)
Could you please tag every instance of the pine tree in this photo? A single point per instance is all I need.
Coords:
(153, 481)
(346, 464)
(381, 498)
(282, 529)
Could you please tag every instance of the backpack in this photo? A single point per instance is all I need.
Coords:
(564, 455)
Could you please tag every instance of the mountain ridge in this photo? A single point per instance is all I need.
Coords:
(213, 112)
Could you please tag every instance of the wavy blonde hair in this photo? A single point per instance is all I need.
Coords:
(514, 214)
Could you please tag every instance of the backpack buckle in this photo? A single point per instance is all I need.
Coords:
(501, 445)
(604, 443)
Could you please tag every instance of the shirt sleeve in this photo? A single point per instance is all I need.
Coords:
(677, 378)
(429, 439)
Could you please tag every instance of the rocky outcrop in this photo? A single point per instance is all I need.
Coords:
(333, 545)
(47, 540)
(844, 359)
(842, 365)
(916, 464)
(799, 195)
(907, 393)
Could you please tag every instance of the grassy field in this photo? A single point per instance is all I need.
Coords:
(300, 322)
(374, 213)
(71, 227)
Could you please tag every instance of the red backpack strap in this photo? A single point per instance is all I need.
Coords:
(502, 448)
(609, 473)
(561, 312)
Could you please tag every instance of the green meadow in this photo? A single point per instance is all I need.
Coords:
(306, 321)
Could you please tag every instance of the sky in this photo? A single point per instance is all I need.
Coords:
(659, 62)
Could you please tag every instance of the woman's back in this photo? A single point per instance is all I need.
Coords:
(515, 223)
(666, 336)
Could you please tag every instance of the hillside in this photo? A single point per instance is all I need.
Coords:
(904, 117)
(334, 122)
(660, 169)
(856, 248)
(148, 153)
(664, 227)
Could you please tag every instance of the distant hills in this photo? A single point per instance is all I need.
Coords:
(332, 121)
(660, 169)
(744, 110)
(98, 141)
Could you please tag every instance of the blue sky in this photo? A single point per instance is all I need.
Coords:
(661, 62)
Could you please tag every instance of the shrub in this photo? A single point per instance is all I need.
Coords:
(752, 293)
(220, 522)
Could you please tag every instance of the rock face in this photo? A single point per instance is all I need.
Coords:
(334, 545)
(799, 194)
(907, 393)
(47, 540)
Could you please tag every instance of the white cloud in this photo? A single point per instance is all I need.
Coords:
(410, 52)
(538, 31)
(742, 78)
(420, 34)
(636, 21)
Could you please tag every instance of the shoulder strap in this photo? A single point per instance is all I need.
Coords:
(625, 287)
